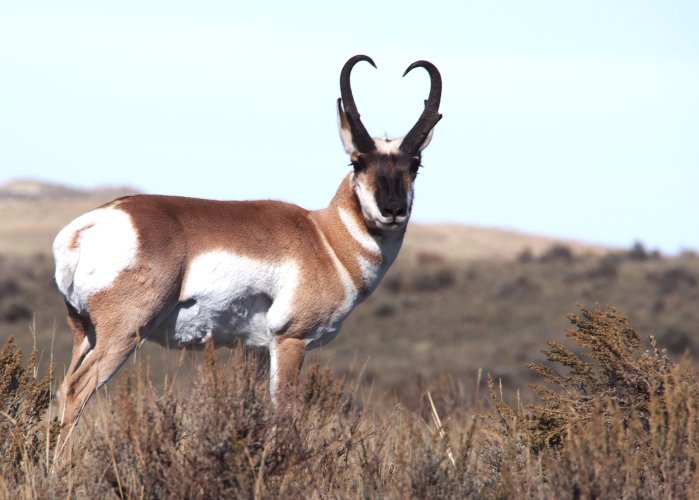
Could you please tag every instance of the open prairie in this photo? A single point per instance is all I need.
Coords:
(458, 299)
(400, 405)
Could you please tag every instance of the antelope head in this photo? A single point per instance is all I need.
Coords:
(385, 169)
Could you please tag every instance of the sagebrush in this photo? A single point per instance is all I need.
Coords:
(616, 418)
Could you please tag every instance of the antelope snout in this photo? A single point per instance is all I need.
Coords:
(394, 209)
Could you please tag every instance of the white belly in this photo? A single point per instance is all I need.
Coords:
(192, 323)
(230, 298)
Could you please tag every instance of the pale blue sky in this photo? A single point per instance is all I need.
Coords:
(572, 119)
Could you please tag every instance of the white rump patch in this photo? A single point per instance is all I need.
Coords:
(91, 251)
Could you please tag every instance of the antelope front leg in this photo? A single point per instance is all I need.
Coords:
(286, 357)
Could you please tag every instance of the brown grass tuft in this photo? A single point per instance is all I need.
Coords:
(612, 369)
(621, 421)
(28, 439)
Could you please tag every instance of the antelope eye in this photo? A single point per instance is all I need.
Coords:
(414, 166)
(359, 165)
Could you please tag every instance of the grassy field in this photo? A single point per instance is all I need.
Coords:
(457, 300)
(619, 419)
(459, 305)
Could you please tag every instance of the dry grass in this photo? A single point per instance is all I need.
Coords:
(619, 421)
(458, 299)
(28, 435)
(616, 417)
(433, 316)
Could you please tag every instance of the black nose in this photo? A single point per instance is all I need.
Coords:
(395, 209)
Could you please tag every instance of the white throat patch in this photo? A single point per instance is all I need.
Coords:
(360, 236)
(370, 210)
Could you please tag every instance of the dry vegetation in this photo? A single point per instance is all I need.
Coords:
(601, 412)
(618, 419)
(433, 317)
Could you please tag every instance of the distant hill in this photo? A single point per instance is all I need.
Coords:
(33, 190)
(32, 213)
(458, 242)
(458, 298)
(26, 189)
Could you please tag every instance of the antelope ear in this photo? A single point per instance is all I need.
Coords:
(345, 132)
(427, 140)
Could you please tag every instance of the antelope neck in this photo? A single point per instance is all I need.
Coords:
(365, 253)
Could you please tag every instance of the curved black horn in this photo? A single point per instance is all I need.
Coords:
(430, 115)
(361, 138)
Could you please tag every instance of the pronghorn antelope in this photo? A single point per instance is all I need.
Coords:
(179, 271)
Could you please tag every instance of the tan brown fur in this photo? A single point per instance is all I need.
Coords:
(290, 352)
(172, 231)
(347, 249)
(76, 237)
(333, 266)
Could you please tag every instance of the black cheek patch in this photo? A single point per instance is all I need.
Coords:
(391, 193)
